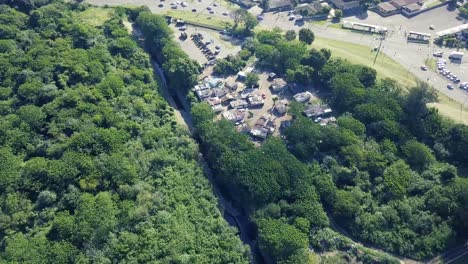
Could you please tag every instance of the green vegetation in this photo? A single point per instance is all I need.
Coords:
(359, 54)
(386, 171)
(95, 16)
(200, 19)
(94, 168)
(388, 68)
(463, 11)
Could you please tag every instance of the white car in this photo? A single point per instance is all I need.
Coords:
(184, 4)
(209, 8)
(424, 67)
(450, 86)
(215, 4)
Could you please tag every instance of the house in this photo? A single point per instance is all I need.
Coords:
(278, 85)
(220, 92)
(203, 93)
(411, 9)
(386, 9)
(399, 4)
(234, 115)
(239, 103)
(255, 101)
(308, 10)
(213, 101)
(315, 111)
(302, 97)
(346, 5)
(280, 5)
(243, 129)
(241, 75)
(247, 93)
(281, 107)
(215, 82)
(217, 108)
(231, 86)
(260, 133)
(228, 97)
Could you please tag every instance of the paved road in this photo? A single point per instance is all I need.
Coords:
(410, 55)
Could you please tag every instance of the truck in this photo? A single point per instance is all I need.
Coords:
(456, 55)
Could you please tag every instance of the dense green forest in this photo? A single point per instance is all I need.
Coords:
(388, 171)
(94, 168)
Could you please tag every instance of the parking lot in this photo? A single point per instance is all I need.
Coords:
(219, 8)
(227, 45)
(442, 18)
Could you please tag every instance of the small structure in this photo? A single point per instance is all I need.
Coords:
(235, 116)
(231, 86)
(255, 101)
(309, 10)
(247, 93)
(217, 108)
(411, 9)
(271, 76)
(278, 5)
(220, 92)
(316, 111)
(202, 94)
(241, 76)
(215, 82)
(260, 133)
(302, 97)
(239, 103)
(213, 101)
(399, 4)
(281, 107)
(278, 85)
(346, 5)
(386, 9)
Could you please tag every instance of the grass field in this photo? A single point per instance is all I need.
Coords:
(95, 16)
(431, 63)
(359, 54)
(200, 18)
(388, 68)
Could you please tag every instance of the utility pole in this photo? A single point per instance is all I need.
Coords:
(378, 50)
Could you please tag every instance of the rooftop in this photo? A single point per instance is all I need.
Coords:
(387, 7)
(279, 3)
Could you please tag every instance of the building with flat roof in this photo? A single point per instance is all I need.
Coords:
(277, 5)
(386, 9)
(346, 5)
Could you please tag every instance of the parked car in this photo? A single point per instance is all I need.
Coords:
(424, 67)
(209, 8)
(184, 4)
(194, 10)
(225, 13)
(450, 86)
(211, 12)
(160, 5)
